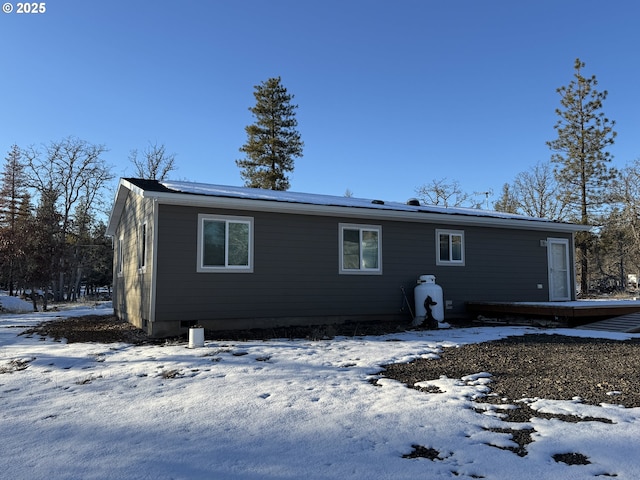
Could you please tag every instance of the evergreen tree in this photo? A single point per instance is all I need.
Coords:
(12, 193)
(582, 171)
(80, 245)
(23, 228)
(43, 247)
(13, 187)
(100, 262)
(272, 141)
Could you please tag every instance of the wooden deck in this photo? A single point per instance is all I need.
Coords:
(629, 323)
(572, 313)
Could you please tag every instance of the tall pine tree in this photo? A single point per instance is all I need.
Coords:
(13, 191)
(13, 184)
(272, 141)
(582, 171)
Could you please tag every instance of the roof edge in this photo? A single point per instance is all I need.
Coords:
(118, 203)
(164, 195)
(451, 218)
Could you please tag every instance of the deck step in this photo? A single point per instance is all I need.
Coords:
(625, 323)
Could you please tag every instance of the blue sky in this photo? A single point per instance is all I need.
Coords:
(391, 94)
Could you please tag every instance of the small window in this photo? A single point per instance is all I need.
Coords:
(449, 247)
(142, 239)
(360, 249)
(225, 243)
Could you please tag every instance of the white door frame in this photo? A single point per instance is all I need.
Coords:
(559, 271)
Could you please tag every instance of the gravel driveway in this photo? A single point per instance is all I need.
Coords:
(555, 367)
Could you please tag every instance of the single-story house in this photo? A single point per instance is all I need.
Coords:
(237, 258)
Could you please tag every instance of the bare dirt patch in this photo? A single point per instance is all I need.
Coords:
(90, 328)
(109, 329)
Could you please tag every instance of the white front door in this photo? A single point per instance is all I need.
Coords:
(559, 269)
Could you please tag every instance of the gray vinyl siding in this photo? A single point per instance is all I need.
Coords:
(501, 265)
(132, 288)
(296, 271)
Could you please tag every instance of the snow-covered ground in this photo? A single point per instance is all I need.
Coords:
(14, 304)
(275, 410)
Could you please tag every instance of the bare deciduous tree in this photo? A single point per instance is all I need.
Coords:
(626, 193)
(444, 193)
(538, 194)
(71, 174)
(155, 163)
(508, 201)
(533, 193)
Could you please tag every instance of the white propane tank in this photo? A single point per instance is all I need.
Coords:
(427, 287)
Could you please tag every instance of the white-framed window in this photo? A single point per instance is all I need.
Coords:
(225, 243)
(360, 249)
(142, 247)
(449, 247)
(120, 266)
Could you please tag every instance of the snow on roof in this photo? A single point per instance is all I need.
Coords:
(330, 200)
(179, 192)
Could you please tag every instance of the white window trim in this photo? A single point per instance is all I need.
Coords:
(224, 269)
(455, 263)
(360, 228)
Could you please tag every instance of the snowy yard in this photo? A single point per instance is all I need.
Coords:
(281, 409)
